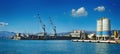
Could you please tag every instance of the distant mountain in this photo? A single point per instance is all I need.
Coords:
(6, 34)
(90, 32)
(87, 32)
(63, 33)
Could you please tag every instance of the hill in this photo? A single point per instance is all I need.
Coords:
(6, 34)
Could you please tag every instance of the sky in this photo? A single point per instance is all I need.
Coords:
(67, 15)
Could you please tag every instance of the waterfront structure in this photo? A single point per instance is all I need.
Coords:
(17, 37)
(103, 28)
(76, 33)
(79, 34)
(99, 29)
(92, 36)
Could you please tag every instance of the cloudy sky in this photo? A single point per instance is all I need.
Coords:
(67, 15)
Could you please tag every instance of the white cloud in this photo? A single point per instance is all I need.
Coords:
(3, 24)
(100, 8)
(79, 12)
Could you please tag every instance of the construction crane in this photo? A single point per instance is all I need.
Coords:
(43, 25)
(53, 26)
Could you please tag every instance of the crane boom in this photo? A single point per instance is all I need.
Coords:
(42, 24)
(53, 26)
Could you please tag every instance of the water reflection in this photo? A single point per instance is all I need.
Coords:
(102, 48)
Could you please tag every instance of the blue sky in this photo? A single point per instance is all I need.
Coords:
(67, 15)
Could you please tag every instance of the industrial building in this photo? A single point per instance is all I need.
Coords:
(103, 29)
(76, 33)
(79, 34)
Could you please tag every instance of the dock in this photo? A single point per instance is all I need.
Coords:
(96, 41)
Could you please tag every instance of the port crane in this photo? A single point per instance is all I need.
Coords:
(43, 25)
(53, 26)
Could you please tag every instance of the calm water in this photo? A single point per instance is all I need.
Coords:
(56, 47)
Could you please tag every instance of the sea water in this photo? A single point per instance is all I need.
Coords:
(56, 47)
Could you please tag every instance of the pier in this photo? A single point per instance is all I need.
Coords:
(96, 41)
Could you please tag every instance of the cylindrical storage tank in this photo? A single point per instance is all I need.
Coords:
(99, 28)
(106, 27)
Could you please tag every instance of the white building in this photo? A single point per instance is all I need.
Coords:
(76, 33)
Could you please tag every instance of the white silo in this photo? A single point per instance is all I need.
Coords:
(103, 28)
(99, 28)
(106, 27)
